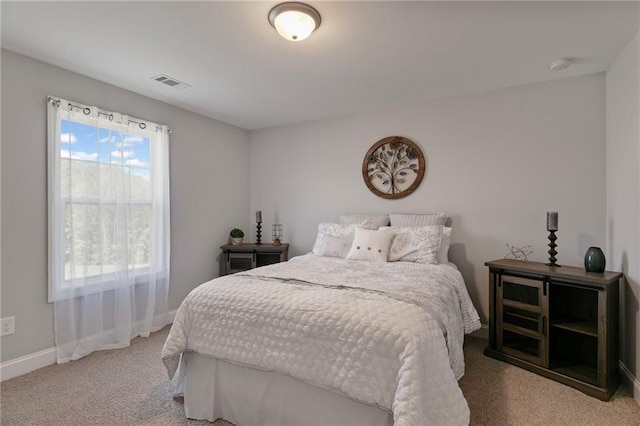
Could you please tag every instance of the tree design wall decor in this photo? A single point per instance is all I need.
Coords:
(393, 167)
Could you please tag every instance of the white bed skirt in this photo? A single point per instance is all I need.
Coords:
(246, 396)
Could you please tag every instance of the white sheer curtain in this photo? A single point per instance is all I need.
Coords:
(109, 239)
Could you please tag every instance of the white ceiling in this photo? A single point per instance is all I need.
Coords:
(365, 55)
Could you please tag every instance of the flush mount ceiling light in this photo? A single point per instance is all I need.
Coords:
(294, 21)
(560, 64)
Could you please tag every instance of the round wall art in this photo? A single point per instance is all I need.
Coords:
(393, 167)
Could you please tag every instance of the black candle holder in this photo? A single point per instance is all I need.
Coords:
(552, 249)
(259, 234)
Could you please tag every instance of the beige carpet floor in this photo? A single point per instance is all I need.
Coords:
(130, 387)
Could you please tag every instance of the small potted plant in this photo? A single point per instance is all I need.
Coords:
(236, 236)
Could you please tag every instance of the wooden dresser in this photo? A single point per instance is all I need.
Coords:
(559, 322)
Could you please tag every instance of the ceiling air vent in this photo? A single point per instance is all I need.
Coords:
(170, 81)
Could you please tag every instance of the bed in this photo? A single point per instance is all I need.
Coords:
(325, 340)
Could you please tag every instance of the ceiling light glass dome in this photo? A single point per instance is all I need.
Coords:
(294, 21)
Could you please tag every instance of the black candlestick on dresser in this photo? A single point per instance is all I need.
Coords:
(552, 249)
(259, 234)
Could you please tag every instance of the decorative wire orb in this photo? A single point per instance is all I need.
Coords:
(518, 253)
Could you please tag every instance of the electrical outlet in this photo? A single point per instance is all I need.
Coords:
(7, 326)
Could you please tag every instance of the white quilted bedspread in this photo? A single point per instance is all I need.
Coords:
(388, 334)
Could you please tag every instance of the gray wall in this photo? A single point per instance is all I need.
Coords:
(623, 194)
(497, 162)
(209, 190)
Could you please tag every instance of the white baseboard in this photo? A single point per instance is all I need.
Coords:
(28, 363)
(630, 382)
(483, 333)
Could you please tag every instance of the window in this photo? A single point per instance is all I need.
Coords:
(109, 200)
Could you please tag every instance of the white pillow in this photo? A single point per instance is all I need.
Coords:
(331, 246)
(415, 244)
(445, 243)
(369, 245)
(404, 220)
(336, 230)
(376, 220)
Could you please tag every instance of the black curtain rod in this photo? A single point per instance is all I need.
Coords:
(87, 111)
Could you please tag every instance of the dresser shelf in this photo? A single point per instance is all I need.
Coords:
(590, 328)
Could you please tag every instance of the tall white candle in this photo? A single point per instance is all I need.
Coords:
(552, 221)
(259, 216)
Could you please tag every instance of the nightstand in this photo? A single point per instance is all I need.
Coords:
(242, 257)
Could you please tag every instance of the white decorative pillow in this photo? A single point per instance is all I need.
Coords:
(415, 244)
(335, 230)
(369, 245)
(445, 243)
(405, 220)
(376, 220)
(331, 246)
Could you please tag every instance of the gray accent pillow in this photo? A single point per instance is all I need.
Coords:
(412, 220)
(376, 220)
